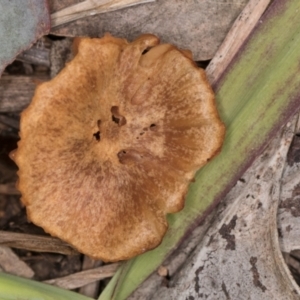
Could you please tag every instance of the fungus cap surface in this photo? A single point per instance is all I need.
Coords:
(109, 146)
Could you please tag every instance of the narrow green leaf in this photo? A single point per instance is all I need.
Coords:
(119, 277)
(16, 288)
(257, 95)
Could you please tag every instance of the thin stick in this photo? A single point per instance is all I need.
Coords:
(90, 8)
(9, 189)
(12, 264)
(9, 121)
(237, 35)
(80, 279)
(35, 243)
(92, 289)
(16, 92)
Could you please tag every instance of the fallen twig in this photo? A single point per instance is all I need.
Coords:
(237, 35)
(90, 8)
(9, 189)
(35, 243)
(80, 279)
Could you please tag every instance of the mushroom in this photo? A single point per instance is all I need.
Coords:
(109, 146)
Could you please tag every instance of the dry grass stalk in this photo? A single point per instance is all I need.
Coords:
(237, 35)
(80, 279)
(11, 122)
(92, 289)
(16, 92)
(90, 8)
(9, 189)
(12, 264)
(35, 243)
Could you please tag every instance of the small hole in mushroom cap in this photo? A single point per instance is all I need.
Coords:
(153, 127)
(129, 156)
(146, 50)
(97, 136)
(121, 155)
(117, 117)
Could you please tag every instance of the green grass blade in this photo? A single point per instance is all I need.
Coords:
(119, 277)
(16, 288)
(258, 93)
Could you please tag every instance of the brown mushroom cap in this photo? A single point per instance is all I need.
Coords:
(110, 145)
